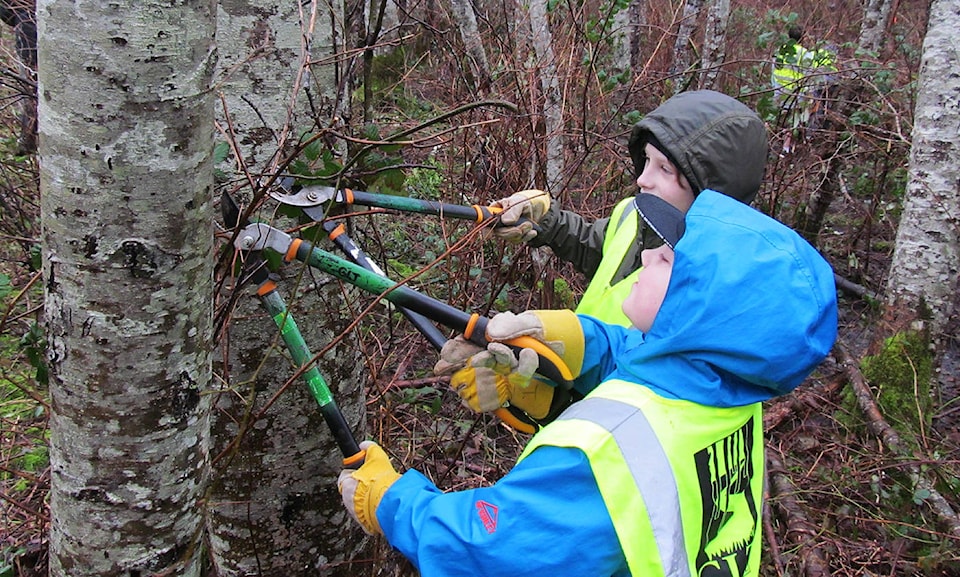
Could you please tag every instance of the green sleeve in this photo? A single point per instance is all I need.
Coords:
(572, 238)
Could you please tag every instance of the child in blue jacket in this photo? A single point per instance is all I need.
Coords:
(659, 469)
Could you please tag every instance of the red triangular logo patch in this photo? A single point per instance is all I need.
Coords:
(488, 515)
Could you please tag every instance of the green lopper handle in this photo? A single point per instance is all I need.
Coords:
(353, 455)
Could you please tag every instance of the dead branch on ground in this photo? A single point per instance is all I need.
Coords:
(800, 531)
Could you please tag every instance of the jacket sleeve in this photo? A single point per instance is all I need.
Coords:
(572, 238)
(602, 344)
(544, 517)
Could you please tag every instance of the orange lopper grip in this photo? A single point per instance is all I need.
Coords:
(355, 461)
(512, 420)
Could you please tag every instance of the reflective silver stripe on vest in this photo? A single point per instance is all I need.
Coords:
(650, 469)
(627, 211)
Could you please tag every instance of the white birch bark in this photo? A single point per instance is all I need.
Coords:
(263, 75)
(466, 20)
(926, 258)
(623, 36)
(876, 16)
(714, 42)
(546, 71)
(126, 123)
(683, 47)
(274, 507)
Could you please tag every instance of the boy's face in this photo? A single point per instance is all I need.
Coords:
(647, 293)
(661, 178)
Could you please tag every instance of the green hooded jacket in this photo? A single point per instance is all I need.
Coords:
(716, 141)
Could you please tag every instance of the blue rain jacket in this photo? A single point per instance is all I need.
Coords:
(749, 312)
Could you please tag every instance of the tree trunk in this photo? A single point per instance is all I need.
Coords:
(127, 138)
(373, 18)
(876, 16)
(638, 22)
(825, 178)
(921, 293)
(552, 99)
(385, 16)
(926, 257)
(623, 33)
(267, 87)
(21, 15)
(466, 20)
(714, 42)
(683, 48)
(274, 507)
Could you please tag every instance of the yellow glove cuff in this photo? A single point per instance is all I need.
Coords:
(563, 325)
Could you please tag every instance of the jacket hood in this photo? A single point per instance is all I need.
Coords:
(750, 310)
(716, 141)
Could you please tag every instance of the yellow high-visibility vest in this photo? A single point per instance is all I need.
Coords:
(601, 299)
(794, 63)
(682, 482)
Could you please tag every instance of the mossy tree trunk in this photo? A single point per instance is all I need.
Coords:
(926, 258)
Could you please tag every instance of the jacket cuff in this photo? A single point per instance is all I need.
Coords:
(547, 224)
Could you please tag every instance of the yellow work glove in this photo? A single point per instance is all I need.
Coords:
(473, 363)
(529, 205)
(454, 356)
(487, 378)
(362, 489)
(495, 376)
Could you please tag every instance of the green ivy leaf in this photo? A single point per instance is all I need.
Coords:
(220, 152)
(5, 287)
